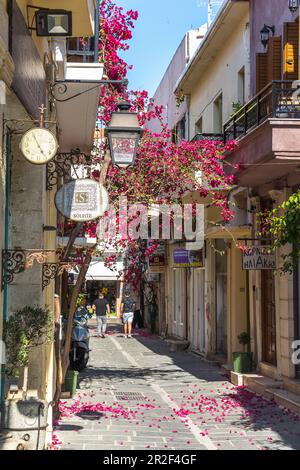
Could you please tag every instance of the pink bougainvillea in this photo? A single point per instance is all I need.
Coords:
(164, 171)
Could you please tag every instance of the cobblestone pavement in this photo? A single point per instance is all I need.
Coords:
(169, 401)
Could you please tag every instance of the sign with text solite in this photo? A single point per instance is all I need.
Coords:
(82, 200)
(259, 258)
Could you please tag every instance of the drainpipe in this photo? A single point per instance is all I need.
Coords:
(97, 31)
(6, 223)
(188, 117)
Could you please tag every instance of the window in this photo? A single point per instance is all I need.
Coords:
(199, 126)
(241, 86)
(218, 115)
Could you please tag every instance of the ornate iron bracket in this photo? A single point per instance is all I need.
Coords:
(17, 261)
(58, 89)
(52, 270)
(61, 165)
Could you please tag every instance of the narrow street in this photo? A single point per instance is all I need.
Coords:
(136, 395)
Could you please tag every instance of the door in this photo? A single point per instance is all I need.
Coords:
(221, 298)
(268, 317)
(297, 312)
(179, 302)
(197, 325)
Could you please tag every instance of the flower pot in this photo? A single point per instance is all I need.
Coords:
(242, 362)
(26, 419)
(70, 384)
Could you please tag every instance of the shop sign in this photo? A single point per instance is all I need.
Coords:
(158, 260)
(82, 200)
(259, 258)
(188, 258)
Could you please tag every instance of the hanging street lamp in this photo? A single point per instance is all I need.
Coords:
(124, 134)
(293, 5)
(265, 34)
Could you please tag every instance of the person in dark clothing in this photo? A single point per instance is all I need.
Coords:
(102, 308)
(127, 309)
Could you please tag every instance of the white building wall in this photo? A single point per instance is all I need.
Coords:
(221, 77)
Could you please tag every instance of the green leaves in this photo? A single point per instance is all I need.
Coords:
(27, 328)
(283, 224)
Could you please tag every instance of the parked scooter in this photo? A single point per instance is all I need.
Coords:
(80, 350)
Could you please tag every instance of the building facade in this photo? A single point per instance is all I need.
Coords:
(32, 70)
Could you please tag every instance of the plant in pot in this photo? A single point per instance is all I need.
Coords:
(242, 361)
(25, 330)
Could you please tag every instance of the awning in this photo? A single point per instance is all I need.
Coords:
(99, 272)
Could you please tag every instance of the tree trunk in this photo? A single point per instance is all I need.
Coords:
(57, 346)
(75, 293)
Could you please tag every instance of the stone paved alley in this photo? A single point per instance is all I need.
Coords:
(178, 401)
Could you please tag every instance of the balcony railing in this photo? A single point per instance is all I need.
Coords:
(207, 136)
(277, 100)
(81, 50)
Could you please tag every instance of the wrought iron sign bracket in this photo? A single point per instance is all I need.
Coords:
(15, 261)
(62, 164)
(53, 270)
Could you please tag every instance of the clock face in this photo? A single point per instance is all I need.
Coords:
(38, 146)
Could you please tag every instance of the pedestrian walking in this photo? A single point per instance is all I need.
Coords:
(102, 308)
(127, 311)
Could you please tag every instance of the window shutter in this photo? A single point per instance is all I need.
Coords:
(291, 51)
(274, 59)
(261, 71)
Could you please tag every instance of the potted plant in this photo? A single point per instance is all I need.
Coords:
(242, 361)
(25, 330)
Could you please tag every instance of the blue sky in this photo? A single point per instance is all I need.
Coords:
(158, 32)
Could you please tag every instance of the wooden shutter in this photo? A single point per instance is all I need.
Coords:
(261, 71)
(274, 59)
(291, 51)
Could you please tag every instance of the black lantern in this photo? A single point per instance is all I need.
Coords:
(124, 134)
(265, 34)
(293, 5)
(53, 23)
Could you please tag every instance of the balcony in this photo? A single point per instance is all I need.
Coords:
(277, 100)
(76, 91)
(267, 130)
(208, 136)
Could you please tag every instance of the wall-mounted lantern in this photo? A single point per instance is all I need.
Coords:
(265, 34)
(293, 6)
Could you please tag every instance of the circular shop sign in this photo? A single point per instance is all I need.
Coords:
(82, 200)
(38, 146)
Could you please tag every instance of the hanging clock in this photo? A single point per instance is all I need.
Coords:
(38, 145)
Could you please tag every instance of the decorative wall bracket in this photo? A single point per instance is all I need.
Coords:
(53, 270)
(17, 261)
(62, 164)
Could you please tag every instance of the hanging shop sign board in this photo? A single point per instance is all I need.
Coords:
(259, 258)
(39, 146)
(158, 260)
(188, 259)
(82, 200)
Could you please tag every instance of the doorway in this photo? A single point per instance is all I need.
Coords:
(197, 325)
(179, 303)
(221, 298)
(269, 349)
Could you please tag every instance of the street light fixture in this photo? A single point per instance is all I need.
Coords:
(293, 5)
(265, 34)
(53, 22)
(124, 134)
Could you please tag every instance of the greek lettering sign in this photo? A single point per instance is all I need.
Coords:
(259, 258)
(82, 200)
(188, 259)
